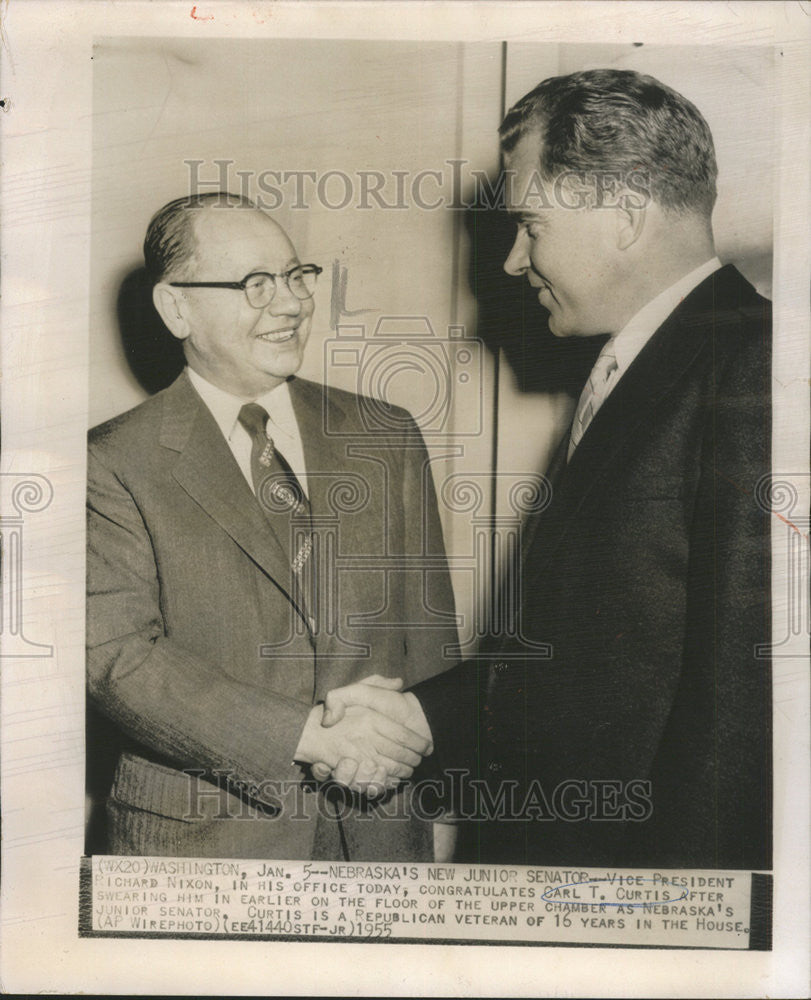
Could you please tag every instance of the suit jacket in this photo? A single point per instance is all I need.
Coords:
(643, 738)
(197, 651)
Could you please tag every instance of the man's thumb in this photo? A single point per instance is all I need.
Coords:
(334, 710)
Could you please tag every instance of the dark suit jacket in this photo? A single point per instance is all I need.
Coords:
(647, 575)
(196, 650)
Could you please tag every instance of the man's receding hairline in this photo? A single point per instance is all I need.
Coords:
(199, 211)
(204, 210)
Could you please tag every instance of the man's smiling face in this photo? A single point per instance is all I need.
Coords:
(568, 254)
(243, 350)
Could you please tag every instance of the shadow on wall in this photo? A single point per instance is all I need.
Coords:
(155, 357)
(510, 316)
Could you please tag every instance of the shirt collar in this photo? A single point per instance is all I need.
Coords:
(626, 344)
(279, 406)
(225, 407)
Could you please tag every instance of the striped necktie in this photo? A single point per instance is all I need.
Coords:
(284, 502)
(592, 396)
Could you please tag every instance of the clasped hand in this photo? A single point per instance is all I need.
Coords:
(368, 736)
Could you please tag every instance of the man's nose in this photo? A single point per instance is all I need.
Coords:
(284, 302)
(517, 260)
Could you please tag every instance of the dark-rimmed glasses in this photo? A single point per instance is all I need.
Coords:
(260, 286)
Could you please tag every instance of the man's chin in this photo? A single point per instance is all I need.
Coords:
(562, 331)
(283, 372)
(556, 328)
(287, 367)
(284, 362)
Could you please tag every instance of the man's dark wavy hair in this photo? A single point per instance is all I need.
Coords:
(170, 244)
(620, 120)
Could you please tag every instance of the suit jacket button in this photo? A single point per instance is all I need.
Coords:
(501, 667)
(494, 767)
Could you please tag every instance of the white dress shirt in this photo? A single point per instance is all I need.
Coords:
(282, 425)
(630, 340)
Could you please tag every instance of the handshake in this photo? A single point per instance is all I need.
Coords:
(368, 736)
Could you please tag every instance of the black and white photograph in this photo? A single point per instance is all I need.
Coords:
(408, 546)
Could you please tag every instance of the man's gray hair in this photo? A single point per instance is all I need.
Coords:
(170, 244)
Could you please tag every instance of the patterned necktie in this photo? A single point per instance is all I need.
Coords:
(592, 396)
(284, 502)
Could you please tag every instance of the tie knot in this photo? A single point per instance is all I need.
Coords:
(253, 418)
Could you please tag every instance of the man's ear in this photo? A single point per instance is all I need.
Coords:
(630, 224)
(170, 304)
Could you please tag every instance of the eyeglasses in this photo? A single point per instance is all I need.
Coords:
(260, 286)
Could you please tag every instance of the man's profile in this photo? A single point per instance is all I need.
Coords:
(647, 576)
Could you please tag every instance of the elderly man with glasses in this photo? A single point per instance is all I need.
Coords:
(242, 562)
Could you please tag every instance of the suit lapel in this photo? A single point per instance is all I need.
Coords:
(310, 403)
(554, 474)
(329, 462)
(653, 375)
(322, 459)
(208, 472)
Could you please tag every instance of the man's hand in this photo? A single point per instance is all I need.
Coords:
(378, 750)
(381, 695)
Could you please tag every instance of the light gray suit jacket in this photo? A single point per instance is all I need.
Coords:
(196, 649)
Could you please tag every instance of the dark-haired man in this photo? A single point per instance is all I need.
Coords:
(643, 738)
(230, 584)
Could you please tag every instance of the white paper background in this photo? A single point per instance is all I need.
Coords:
(46, 151)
